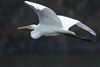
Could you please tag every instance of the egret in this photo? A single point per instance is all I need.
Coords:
(51, 24)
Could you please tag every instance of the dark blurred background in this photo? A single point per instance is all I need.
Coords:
(18, 49)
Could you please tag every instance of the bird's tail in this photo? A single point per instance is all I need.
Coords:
(83, 26)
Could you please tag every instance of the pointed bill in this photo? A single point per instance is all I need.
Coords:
(24, 27)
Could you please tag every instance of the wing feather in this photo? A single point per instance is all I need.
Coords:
(69, 22)
(46, 15)
(83, 26)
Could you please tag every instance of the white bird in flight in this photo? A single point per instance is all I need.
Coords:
(51, 24)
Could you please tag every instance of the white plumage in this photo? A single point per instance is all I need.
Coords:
(51, 24)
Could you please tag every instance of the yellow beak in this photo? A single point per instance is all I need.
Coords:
(23, 27)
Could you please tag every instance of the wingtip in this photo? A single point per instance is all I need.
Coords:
(93, 33)
(35, 5)
(27, 2)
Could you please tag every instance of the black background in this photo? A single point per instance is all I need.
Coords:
(18, 49)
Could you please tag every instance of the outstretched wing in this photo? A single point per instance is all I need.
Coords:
(69, 22)
(46, 15)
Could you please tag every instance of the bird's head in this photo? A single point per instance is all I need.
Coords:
(31, 27)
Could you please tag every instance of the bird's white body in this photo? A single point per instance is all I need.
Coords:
(51, 24)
